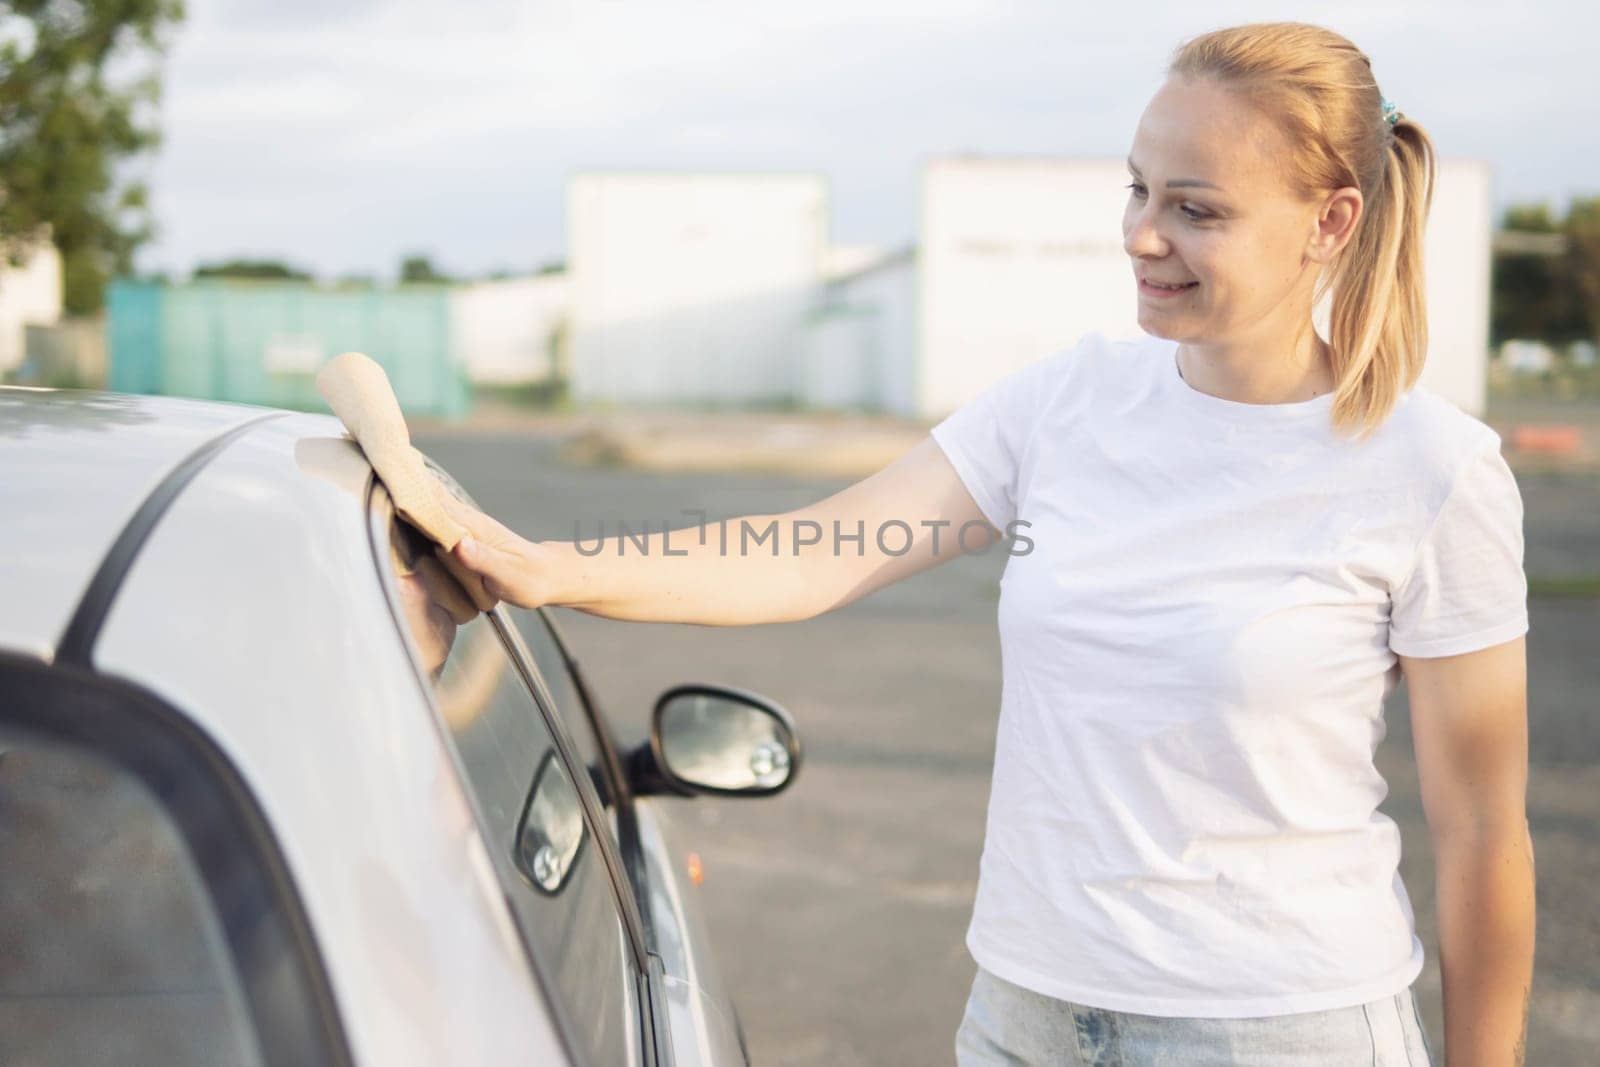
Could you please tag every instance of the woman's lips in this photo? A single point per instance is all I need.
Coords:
(1156, 290)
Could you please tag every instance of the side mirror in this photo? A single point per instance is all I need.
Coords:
(718, 740)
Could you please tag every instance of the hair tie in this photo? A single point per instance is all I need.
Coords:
(1390, 113)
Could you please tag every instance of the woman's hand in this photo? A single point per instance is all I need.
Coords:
(512, 568)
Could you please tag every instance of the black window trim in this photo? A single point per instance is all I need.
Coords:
(77, 641)
(297, 1023)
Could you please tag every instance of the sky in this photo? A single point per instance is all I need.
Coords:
(342, 136)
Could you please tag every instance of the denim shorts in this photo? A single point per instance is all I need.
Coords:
(1007, 1024)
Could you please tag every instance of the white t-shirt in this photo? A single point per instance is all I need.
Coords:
(1196, 649)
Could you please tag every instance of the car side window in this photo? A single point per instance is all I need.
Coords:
(553, 876)
(536, 634)
(112, 949)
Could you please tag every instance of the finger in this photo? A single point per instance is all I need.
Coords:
(469, 578)
(445, 591)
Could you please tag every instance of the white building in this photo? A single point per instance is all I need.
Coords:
(692, 288)
(860, 349)
(30, 295)
(504, 332)
(1018, 258)
(1457, 277)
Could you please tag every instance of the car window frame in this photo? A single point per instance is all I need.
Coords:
(629, 840)
(140, 733)
(646, 964)
(611, 768)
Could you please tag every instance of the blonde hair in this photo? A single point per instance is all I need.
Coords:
(1319, 88)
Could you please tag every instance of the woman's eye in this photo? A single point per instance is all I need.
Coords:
(1189, 212)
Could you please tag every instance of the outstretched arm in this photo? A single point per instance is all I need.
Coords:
(910, 516)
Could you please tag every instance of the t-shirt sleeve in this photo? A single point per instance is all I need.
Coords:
(984, 438)
(1467, 589)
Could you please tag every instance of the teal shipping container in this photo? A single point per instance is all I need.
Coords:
(262, 342)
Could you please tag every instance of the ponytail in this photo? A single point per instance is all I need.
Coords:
(1378, 323)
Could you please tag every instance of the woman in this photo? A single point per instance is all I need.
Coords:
(1241, 536)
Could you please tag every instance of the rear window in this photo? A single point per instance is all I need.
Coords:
(111, 950)
(146, 915)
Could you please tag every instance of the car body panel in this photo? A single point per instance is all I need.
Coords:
(74, 467)
(702, 1034)
(701, 1021)
(330, 728)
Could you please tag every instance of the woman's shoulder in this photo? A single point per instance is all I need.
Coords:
(1433, 439)
(1436, 428)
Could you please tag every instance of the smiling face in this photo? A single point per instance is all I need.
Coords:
(1207, 205)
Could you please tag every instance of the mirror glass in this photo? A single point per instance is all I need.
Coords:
(724, 743)
(552, 827)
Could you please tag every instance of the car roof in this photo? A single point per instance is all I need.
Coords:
(75, 468)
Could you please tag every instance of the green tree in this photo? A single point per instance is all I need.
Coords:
(1534, 296)
(419, 268)
(65, 125)
(1582, 229)
(252, 268)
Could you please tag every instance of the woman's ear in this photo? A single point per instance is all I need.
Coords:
(1336, 222)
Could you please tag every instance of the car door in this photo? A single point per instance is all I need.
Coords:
(538, 804)
(703, 1025)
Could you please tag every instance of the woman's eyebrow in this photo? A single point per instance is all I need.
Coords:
(1179, 183)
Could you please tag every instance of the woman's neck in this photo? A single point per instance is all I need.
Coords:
(1254, 373)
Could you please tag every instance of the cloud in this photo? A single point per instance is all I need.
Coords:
(343, 135)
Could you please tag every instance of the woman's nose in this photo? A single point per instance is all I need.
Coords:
(1140, 238)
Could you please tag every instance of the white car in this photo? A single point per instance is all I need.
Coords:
(270, 794)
